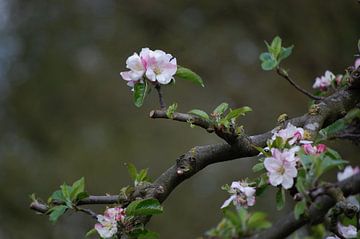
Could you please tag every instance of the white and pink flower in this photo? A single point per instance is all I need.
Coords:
(314, 150)
(290, 133)
(357, 63)
(242, 195)
(348, 172)
(323, 82)
(347, 231)
(281, 167)
(107, 225)
(157, 66)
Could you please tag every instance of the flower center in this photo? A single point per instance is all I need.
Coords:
(157, 70)
(281, 170)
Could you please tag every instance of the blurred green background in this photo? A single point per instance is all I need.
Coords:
(65, 112)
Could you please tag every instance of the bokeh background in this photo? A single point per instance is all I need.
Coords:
(65, 112)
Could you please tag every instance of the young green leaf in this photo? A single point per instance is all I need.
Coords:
(275, 47)
(299, 209)
(285, 53)
(199, 113)
(237, 112)
(91, 232)
(258, 167)
(280, 198)
(77, 188)
(132, 171)
(140, 91)
(57, 196)
(266, 56)
(145, 234)
(56, 212)
(269, 64)
(144, 207)
(188, 74)
(220, 109)
(258, 221)
(171, 110)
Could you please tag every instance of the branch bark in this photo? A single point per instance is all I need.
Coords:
(287, 225)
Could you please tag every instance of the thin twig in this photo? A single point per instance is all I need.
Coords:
(87, 211)
(283, 74)
(161, 99)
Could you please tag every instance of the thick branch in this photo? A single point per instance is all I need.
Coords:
(287, 225)
(182, 117)
(320, 115)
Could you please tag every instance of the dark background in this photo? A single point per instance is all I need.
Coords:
(66, 113)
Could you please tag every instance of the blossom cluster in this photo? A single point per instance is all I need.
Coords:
(281, 165)
(107, 225)
(323, 82)
(242, 195)
(156, 66)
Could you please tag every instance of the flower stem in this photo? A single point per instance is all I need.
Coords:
(161, 99)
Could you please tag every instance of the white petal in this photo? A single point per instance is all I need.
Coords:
(287, 182)
(347, 231)
(228, 201)
(275, 179)
(272, 164)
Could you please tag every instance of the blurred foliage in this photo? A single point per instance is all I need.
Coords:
(65, 112)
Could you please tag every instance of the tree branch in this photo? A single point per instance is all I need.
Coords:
(318, 209)
(320, 115)
(284, 74)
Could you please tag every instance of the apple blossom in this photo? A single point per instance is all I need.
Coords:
(347, 231)
(157, 66)
(291, 133)
(161, 67)
(357, 63)
(242, 195)
(348, 172)
(281, 167)
(107, 226)
(324, 81)
(313, 150)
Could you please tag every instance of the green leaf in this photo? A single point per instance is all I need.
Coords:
(285, 53)
(56, 212)
(148, 235)
(280, 198)
(132, 171)
(325, 163)
(199, 113)
(261, 150)
(300, 185)
(58, 196)
(299, 209)
(144, 207)
(188, 74)
(269, 65)
(266, 56)
(258, 221)
(91, 232)
(142, 176)
(66, 189)
(81, 196)
(171, 110)
(77, 188)
(237, 112)
(275, 47)
(140, 91)
(220, 109)
(258, 167)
